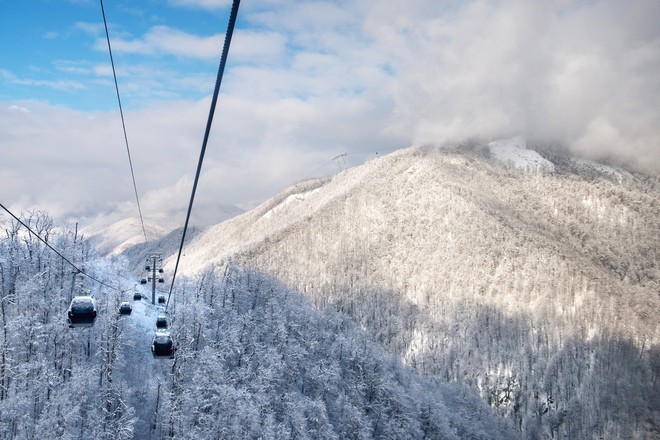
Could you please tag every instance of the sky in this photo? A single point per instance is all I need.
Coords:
(305, 81)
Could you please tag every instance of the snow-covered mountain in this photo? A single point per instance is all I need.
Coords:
(119, 236)
(252, 359)
(427, 294)
(528, 275)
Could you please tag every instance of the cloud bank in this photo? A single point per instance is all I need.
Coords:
(585, 74)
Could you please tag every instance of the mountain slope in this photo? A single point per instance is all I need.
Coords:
(123, 235)
(539, 289)
(252, 360)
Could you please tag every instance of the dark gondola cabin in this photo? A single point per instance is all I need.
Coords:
(162, 345)
(82, 311)
(143, 281)
(137, 296)
(161, 299)
(125, 308)
(161, 321)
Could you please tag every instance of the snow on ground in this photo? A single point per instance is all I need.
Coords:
(514, 152)
(616, 173)
(140, 370)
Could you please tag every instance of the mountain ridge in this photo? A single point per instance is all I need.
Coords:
(425, 246)
(518, 281)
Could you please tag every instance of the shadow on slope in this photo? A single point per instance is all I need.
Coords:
(569, 383)
(256, 360)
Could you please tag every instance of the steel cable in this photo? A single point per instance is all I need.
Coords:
(209, 122)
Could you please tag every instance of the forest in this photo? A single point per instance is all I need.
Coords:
(537, 290)
(253, 359)
(426, 294)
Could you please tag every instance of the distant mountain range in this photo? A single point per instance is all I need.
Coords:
(524, 273)
(117, 237)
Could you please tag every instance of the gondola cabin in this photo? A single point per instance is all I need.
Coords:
(82, 311)
(161, 322)
(143, 281)
(125, 308)
(137, 296)
(161, 299)
(162, 345)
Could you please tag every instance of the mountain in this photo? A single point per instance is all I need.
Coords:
(527, 275)
(119, 236)
(252, 359)
(115, 238)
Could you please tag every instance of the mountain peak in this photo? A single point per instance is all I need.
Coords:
(514, 152)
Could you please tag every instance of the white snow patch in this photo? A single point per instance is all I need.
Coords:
(616, 173)
(290, 200)
(514, 152)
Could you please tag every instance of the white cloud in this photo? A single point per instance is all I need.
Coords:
(18, 108)
(205, 4)
(309, 80)
(256, 46)
(167, 40)
(560, 71)
(59, 84)
(92, 29)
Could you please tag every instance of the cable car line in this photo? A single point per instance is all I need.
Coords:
(221, 69)
(123, 124)
(80, 271)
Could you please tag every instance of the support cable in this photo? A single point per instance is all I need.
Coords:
(216, 91)
(80, 271)
(121, 112)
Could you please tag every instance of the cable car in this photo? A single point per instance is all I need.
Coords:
(161, 280)
(160, 270)
(161, 299)
(147, 268)
(162, 345)
(143, 281)
(82, 311)
(125, 308)
(161, 321)
(137, 296)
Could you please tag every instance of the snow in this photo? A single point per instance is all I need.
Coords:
(514, 152)
(290, 200)
(140, 369)
(617, 173)
(449, 262)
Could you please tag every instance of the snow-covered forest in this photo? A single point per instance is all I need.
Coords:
(535, 286)
(253, 359)
(426, 294)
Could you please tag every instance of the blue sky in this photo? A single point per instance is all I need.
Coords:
(305, 81)
(59, 53)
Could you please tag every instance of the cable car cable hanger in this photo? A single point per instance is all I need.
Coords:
(221, 69)
(80, 271)
(123, 124)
